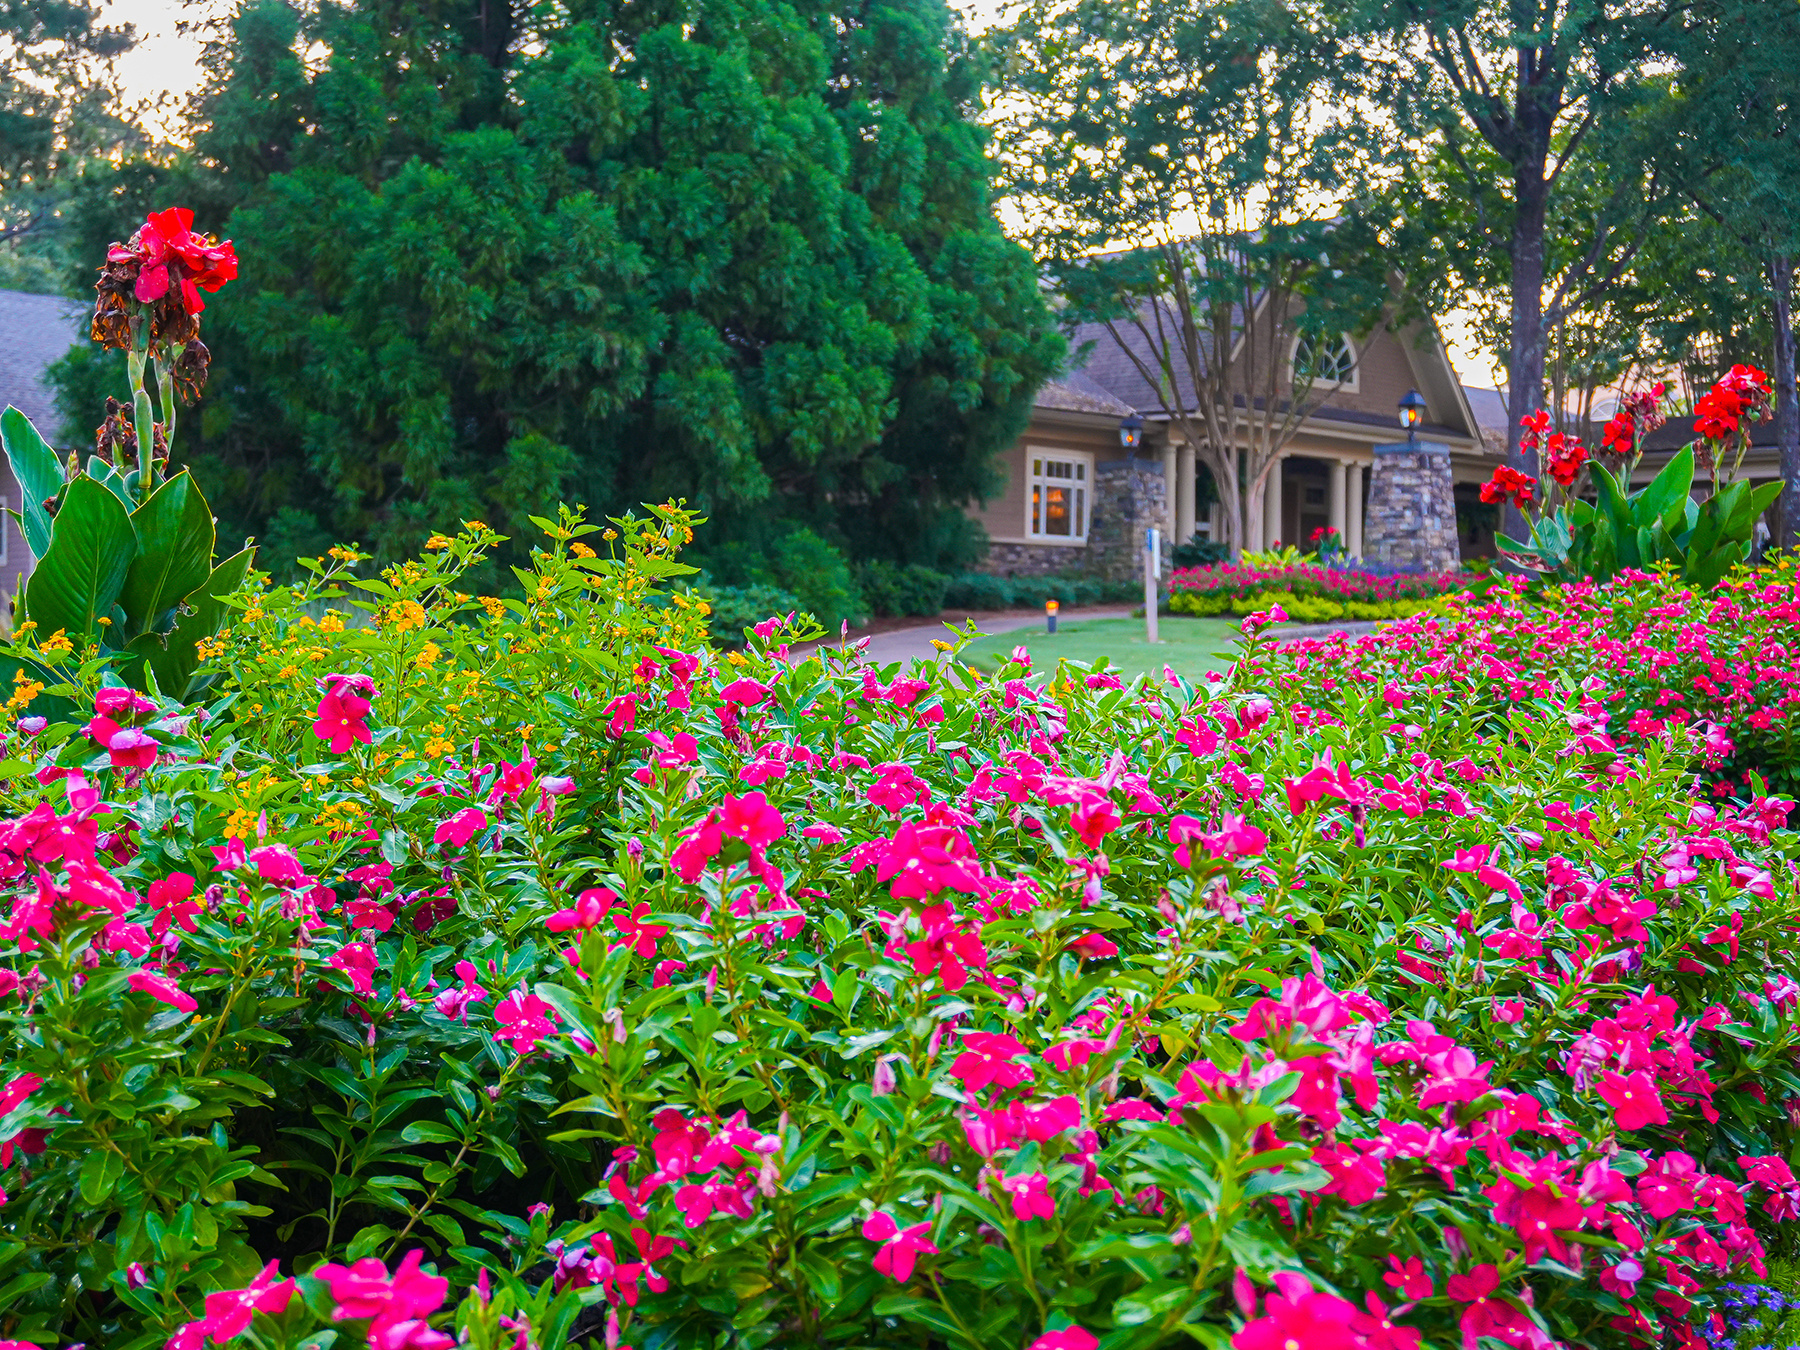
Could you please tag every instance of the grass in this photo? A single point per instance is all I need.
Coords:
(1189, 647)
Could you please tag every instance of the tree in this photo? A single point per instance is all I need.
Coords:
(1176, 167)
(1520, 95)
(55, 104)
(497, 253)
(1735, 145)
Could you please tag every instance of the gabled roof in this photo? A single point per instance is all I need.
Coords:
(34, 331)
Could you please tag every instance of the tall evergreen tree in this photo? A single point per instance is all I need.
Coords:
(497, 253)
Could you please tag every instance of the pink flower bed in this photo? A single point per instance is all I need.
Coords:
(1389, 997)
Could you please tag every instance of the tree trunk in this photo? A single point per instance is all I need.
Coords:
(1525, 360)
(1787, 413)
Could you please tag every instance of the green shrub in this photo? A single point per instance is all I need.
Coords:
(979, 590)
(892, 590)
(735, 608)
(801, 562)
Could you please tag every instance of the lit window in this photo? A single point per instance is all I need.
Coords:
(1057, 507)
(1327, 364)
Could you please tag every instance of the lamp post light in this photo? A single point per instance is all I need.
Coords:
(1412, 412)
(1131, 431)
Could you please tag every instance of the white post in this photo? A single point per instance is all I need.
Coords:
(1184, 494)
(1152, 567)
(1353, 508)
(1271, 531)
(1338, 492)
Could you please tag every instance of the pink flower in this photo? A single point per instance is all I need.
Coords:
(1031, 1199)
(590, 908)
(343, 709)
(115, 700)
(461, 827)
(1408, 1279)
(276, 864)
(1299, 1318)
(986, 1060)
(1487, 1315)
(126, 747)
(634, 932)
(901, 1247)
(395, 1306)
(453, 1002)
(164, 990)
(751, 819)
(1094, 819)
(747, 693)
(357, 960)
(525, 1019)
(1093, 947)
(1069, 1338)
(229, 1311)
(1634, 1100)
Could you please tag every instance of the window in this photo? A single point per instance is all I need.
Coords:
(1331, 365)
(1056, 506)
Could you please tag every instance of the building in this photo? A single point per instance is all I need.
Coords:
(35, 330)
(1076, 501)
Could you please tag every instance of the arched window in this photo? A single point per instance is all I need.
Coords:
(1325, 362)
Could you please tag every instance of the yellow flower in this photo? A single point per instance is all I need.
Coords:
(342, 554)
(581, 550)
(252, 614)
(57, 643)
(475, 526)
(27, 690)
(406, 616)
(437, 747)
(240, 824)
(494, 606)
(436, 542)
(428, 654)
(333, 622)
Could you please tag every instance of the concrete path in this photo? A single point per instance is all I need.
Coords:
(906, 644)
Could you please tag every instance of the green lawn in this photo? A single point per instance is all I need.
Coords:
(1189, 647)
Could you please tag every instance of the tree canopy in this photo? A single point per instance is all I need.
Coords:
(497, 254)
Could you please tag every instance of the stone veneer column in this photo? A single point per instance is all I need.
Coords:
(1411, 523)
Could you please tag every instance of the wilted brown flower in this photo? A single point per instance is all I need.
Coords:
(190, 369)
(115, 439)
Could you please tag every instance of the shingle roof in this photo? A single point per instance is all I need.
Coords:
(1075, 392)
(34, 331)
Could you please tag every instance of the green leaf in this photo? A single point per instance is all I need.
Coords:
(1665, 496)
(79, 579)
(430, 1132)
(174, 659)
(39, 473)
(175, 552)
(100, 1172)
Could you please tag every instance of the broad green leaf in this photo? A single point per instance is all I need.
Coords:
(173, 660)
(80, 578)
(39, 473)
(1662, 498)
(175, 548)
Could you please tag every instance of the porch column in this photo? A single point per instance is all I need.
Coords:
(1337, 491)
(1169, 490)
(1184, 493)
(1271, 523)
(1353, 534)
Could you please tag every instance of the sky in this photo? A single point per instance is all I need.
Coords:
(165, 66)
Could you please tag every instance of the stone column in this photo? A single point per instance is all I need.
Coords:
(1184, 493)
(1336, 490)
(1353, 532)
(1271, 522)
(1412, 508)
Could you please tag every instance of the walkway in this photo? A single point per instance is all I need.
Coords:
(908, 644)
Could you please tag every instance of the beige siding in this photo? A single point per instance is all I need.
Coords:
(1003, 516)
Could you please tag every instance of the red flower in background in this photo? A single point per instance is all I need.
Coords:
(169, 254)
(1509, 482)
